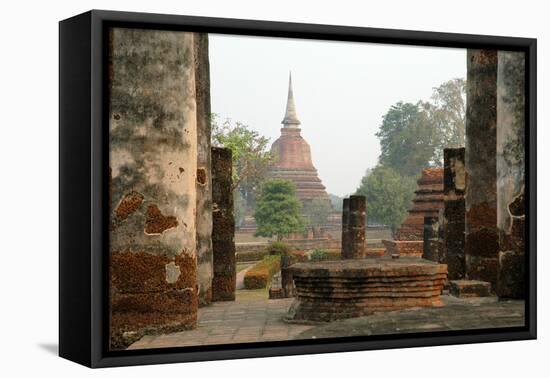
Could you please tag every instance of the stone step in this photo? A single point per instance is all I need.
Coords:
(469, 288)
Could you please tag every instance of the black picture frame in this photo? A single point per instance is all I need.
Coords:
(83, 167)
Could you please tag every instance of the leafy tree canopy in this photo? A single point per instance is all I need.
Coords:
(278, 210)
(406, 139)
(318, 211)
(251, 157)
(447, 114)
(388, 195)
(413, 136)
(336, 201)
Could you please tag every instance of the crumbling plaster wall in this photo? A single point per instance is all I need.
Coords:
(511, 173)
(204, 179)
(481, 234)
(153, 163)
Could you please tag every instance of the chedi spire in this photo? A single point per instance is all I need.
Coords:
(291, 119)
(292, 157)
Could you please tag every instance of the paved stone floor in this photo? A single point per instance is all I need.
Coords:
(457, 314)
(253, 318)
(249, 319)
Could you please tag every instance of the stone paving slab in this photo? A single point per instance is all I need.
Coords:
(456, 314)
(232, 322)
(259, 319)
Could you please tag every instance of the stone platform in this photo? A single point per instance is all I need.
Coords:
(331, 290)
(469, 288)
(404, 248)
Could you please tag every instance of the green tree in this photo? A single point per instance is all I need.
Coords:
(388, 195)
(251, 158)
(278, 210)
(318, 211)
(407, 139)
(239, 208)
(336, 201)
(413, 136)
(447, 113)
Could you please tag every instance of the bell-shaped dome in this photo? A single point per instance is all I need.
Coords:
(292, 156)
(291, 151)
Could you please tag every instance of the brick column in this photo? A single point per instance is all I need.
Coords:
(153, 161)
(454, 183)
(355, 247)
(481, 243)
(223, 230)
(345, 228)
(204, 181)
(431, 239)
(511, 173)
(287, 282)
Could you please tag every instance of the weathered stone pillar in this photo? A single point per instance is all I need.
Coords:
(481, 243)
(223, 231)
(345, 227)
(511, 173)
(431, 239)
(454, 184)
(287, 282)
(153, 161)
(355, 241)
(204, 179)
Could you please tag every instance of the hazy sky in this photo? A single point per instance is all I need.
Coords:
(341, 90)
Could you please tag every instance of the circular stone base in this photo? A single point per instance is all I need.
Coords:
(331, 290)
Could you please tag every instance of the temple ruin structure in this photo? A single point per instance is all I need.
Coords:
(511, 174)
(453, 223)
(171, 229)
(332, 290)
(428, 202)
(204, 179)
(223, 231)
(432, 244)
(153, 232)
(481, 238)
(354, 214)
(484, 205)
(171, 206)
(292, 156)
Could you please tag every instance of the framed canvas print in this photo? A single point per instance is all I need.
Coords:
(234, 188)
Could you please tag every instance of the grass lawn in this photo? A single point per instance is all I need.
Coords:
(245, 295)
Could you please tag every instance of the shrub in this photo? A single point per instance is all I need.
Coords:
(278, 248)
(250, 256)
(260, 275)
(333, 254)
(319, 255)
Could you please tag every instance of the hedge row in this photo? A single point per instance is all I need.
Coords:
(251, 256)
(260, 275)
(325, 255)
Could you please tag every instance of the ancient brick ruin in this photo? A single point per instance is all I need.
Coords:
(483, 223)
(453, 223)
(223, 232)
(481, 245)
(162, 243)
(427, 202)
(153, 247)
(511, 174)
(171, 204)
(432, 240)
(353, 227)
(333, 290)
(204, 179)
(292, 156)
